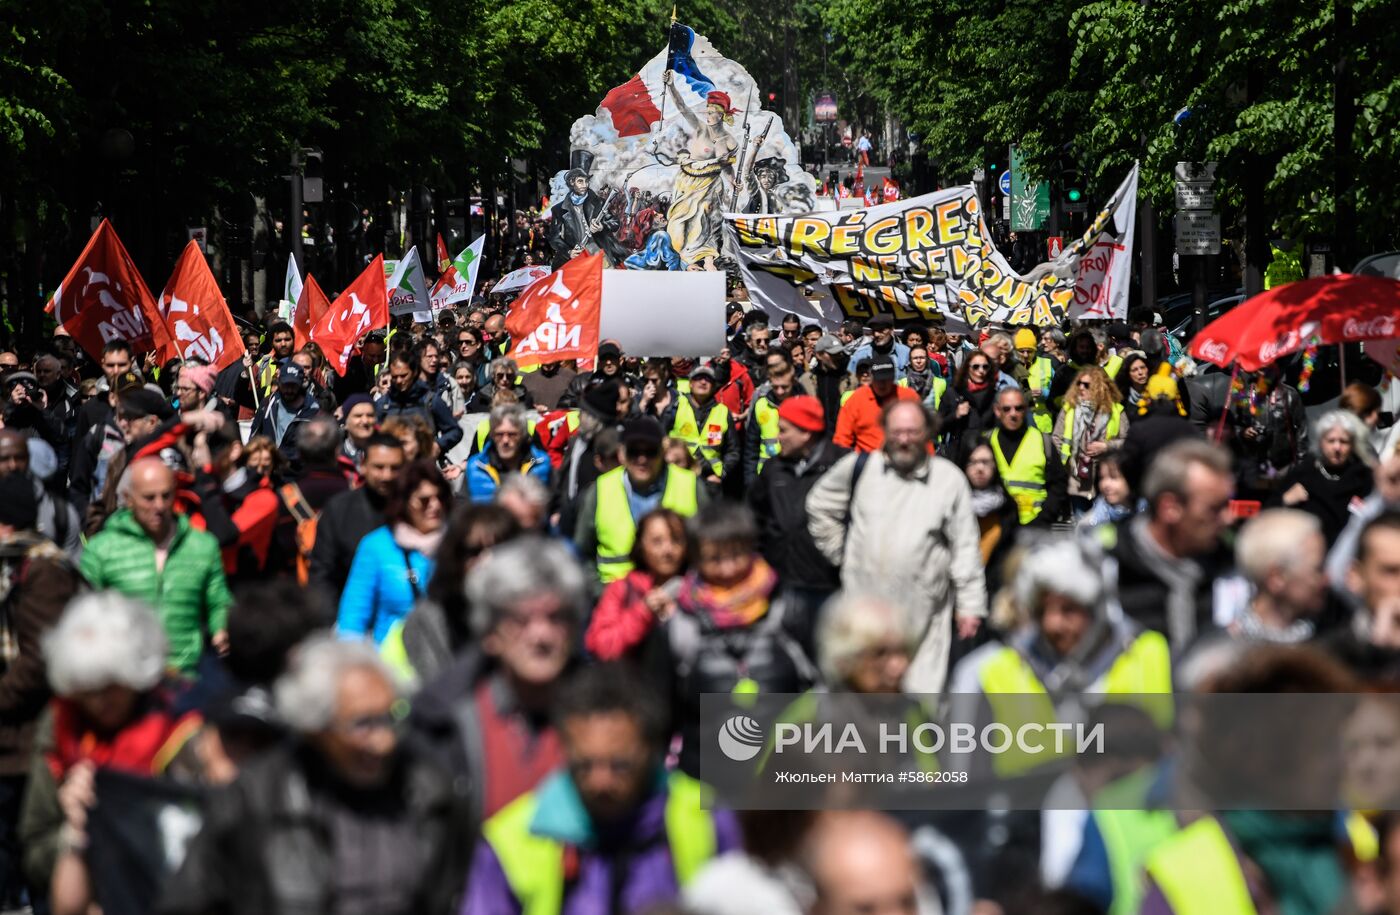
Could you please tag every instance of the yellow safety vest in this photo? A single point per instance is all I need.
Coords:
(1199, 873)
(1024, 474)
(1110, 433)
(615, 526)
(1112, 365)
(846, 395)
(1130, 831)
(534, 865)
(682, 386)
(705, 438)
(483, 432)
(767, 416)
(1042, 375)
(935, 390)
(1017, 697)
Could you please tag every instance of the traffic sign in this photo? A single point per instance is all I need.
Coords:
(1195, 195)
(1054, 245)
(1197, 232)
(1005, 182)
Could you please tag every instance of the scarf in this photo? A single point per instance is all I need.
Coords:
(410, 538)
(1181, 576)
(1296, 852)
(1089, 426)
(986, 501)
(738, 605)
(144, 746)
(920, 381)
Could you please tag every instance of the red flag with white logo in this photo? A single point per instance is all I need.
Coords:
(362, 307)
(194, 315)
(556, 318)
(104, 298)
(312, 305)
(444, 261)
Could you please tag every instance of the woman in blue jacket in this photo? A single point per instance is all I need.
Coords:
(393, 563)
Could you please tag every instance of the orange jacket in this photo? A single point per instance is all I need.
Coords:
(858, 424)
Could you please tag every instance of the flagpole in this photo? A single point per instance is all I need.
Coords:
(661, 123)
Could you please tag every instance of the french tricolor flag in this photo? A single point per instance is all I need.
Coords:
(635, 106)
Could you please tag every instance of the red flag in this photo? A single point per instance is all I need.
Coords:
(631, 107)
(311, 307)
(891, 190)
(556, 318)
(194, 315)
(362, 307)
(104, 298)
(444, 260)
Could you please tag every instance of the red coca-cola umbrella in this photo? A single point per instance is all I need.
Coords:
(1343, 308)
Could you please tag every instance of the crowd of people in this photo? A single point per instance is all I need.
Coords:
(431, 636)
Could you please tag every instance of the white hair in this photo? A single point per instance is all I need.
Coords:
(105, 638)
(519, 570)
(1355, 429)
(1270, 540)
(1057, 566)
(306, 694)
(526, 487)
(851, 624)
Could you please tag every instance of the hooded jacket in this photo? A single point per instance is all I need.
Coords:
(420, 400)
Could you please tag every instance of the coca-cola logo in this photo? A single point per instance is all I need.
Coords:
(1213, 350)
(1376, 328)
(1286, 343)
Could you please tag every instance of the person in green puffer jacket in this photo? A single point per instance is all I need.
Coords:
(146, 551)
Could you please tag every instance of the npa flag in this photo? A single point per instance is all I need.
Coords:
(138, 833)
(312, 304)
(556, 318)
(104, 298)
(891, 190)
(362, 307)
(194, 315)
(458, 280)
(407, 291)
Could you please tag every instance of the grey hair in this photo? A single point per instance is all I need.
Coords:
(105, 638)
(1355, 429)
(306, 693)
(504, 364)
(1056, 566)
(519, 570)
(527, 487)
(512, 413)
(1270, 540)
(853, 623)
(1168, 471)
(319, 438)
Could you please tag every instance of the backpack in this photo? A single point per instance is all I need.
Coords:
(306, 519)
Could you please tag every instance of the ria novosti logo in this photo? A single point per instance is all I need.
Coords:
(740, 738)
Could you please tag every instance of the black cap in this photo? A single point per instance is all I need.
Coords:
(601, 399)
(609, 350)
(882, 367)
(291, 373)
(1119, 330)
(733, 308)
(881, 320)
(642, 430)
(140, 402)
(19, 508)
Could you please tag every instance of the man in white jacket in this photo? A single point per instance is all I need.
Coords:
(899, 523)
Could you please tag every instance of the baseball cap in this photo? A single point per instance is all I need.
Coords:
(733, 308)
(642, 430)
(291, 373)
(609, 350)
(881, 320)
(703, 371)
(882, 367)
(830, 343)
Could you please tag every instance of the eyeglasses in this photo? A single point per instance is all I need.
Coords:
(364, 725)
(425, 501)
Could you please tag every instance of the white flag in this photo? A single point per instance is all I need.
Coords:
(291, 289)
(407, 291)
(458, 281)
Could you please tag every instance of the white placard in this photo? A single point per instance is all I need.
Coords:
(663, 312)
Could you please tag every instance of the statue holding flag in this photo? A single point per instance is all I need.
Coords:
(696, 218)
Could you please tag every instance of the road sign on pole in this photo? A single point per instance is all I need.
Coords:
(1197, 228)
(1030, 202)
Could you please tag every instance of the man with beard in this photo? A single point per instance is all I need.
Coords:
(882, 343)
(579, 224)
(860, 424)
(350, 515)
(899, 523)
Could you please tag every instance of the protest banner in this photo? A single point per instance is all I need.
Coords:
(664, 314)
(930, 258)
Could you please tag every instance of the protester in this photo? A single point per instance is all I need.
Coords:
(1091, 425)
(1027, 461)
(998, 523)
(631, 607)
(348, 517)
(1338, 477)
(859, 427)
(707, 427)
(508, 452)
(882, 343)
(284, 412)
(489, 712)
(357, 414)
(146, 551)
(968, 407)
(862, 861)
(394, 563)
(409, 395)
(613, 802)
(393, 831)
(57, 519)
(867, 512)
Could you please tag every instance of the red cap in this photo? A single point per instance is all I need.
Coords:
(804, 412)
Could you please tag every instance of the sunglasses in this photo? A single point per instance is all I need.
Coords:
(642, 452)
(1085, 384)
(977, 367)
(1013, 409)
